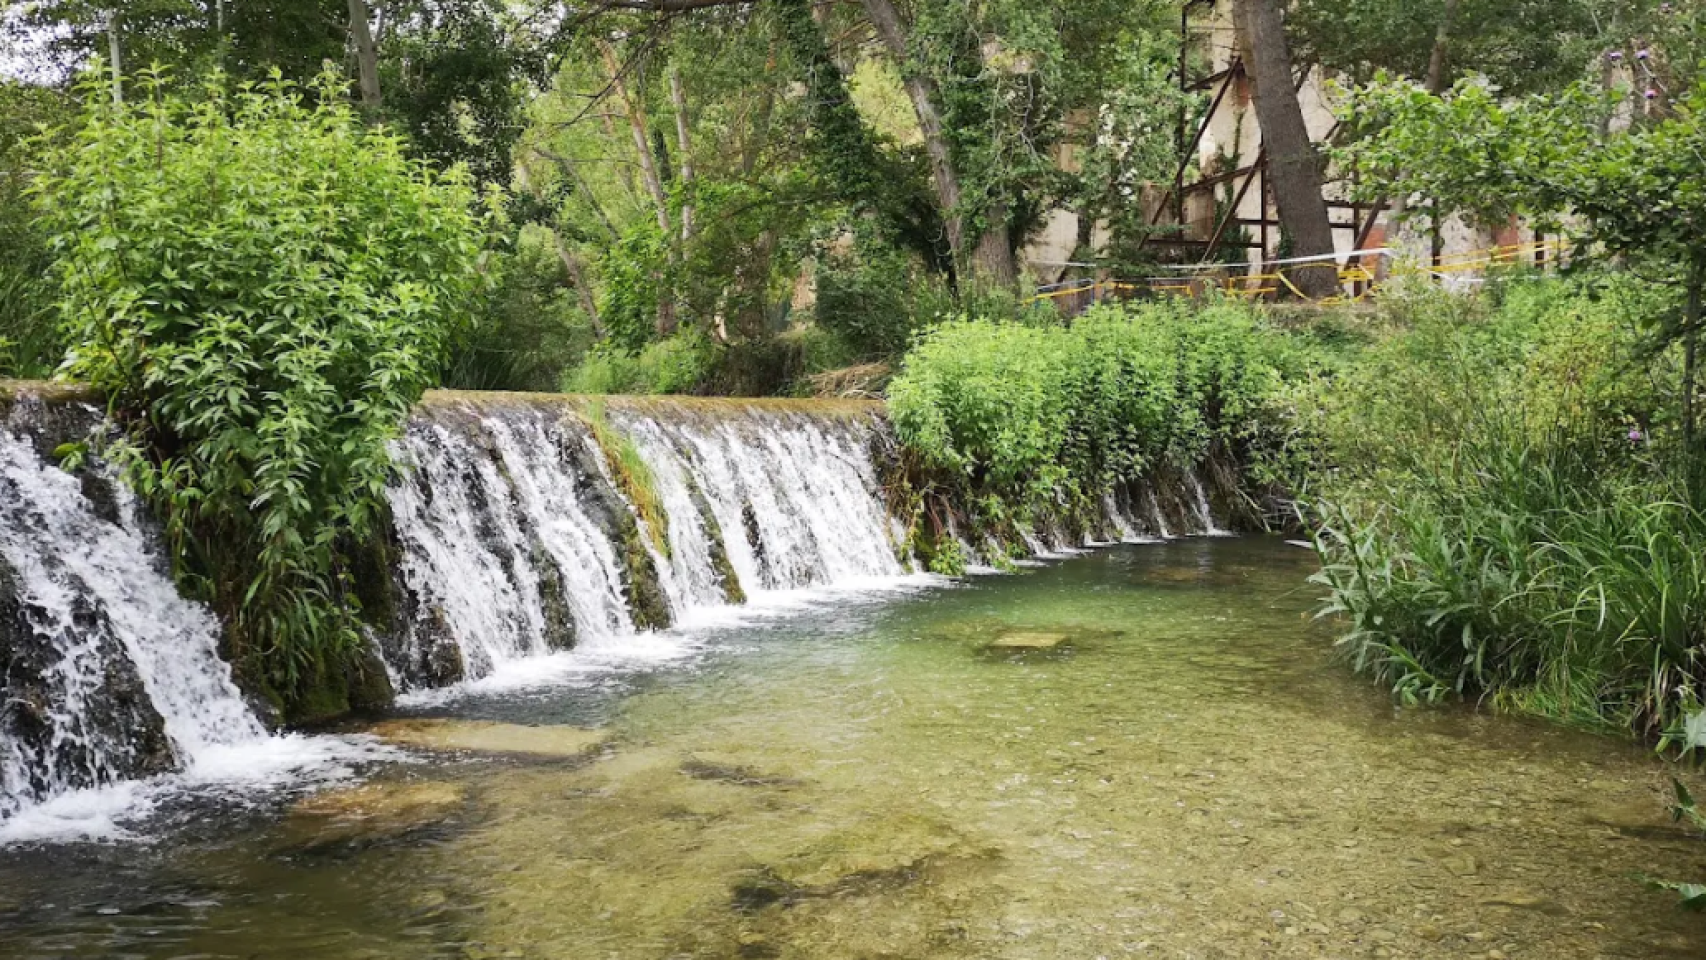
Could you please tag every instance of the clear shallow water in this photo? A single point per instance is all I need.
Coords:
(1191, 776)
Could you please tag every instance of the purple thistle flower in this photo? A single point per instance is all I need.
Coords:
(1615, 55)
(1642, 54)
(1652, 94)
(1635, 435)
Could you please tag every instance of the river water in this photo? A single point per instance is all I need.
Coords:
(1186, 773)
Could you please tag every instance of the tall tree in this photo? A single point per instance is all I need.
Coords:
(925, 97)
(366, 54)
(1294, 166)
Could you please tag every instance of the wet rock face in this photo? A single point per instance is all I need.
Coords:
(73, 712)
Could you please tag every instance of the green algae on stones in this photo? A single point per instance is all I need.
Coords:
(631, 473)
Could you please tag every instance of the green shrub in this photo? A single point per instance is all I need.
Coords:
(527, 327)
(866, 301)
(603, 370)
(263, 285)
(1046, 418)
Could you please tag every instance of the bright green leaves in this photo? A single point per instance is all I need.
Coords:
(1041, 415)
(263, 285)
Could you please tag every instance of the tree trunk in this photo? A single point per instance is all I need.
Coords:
(678, 97)
(1442, 46)
(995, 263)
(577, 274)
(1294, 168)
(642, 144)
(114, 54)
(366, 54)
(1436, 83)
(648, 172)
(924, 95)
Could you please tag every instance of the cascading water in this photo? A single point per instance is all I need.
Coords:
(109, 673)
(509, 540)
(794, 496)
(508, 508)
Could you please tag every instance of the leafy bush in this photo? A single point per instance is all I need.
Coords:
(865, 301)
(263, 285)
(527, 327)
(1047, 418)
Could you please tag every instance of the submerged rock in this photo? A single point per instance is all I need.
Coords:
(725, 771)
(1030, 640)
(481, 736)
(370, 813)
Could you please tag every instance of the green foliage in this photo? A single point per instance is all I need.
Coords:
(528, 328)
(870, 300)
(1633, 193)
(1040, 420)
(29, 344)
(1499, 512)
(679, 364)
(1524, 45)
(455, 79)
(263, 286)
(633, 277)
(632, 474)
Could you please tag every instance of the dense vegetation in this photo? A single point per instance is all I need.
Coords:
(263, 286)
(1034, 424)
(1503, 509)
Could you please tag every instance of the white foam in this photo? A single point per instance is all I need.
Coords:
(232, 773)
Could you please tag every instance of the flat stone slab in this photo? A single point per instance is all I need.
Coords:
(481, 736)
(1030, 640)
(370, 813)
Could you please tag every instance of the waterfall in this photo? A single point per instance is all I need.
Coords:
(109, 673)
(508, 507)
(794, 496)
(509, 536)
(531, 537)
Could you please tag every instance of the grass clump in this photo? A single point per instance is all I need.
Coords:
(1504, 508)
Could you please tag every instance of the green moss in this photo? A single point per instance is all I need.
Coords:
(368, 684)
(631, 473)
(369, 563)
(559, 618)
(725, 570)
(320, 702)
(645, 592)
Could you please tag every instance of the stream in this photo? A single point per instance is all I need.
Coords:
(1147, 750)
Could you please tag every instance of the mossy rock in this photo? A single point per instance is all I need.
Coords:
(649, 604)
